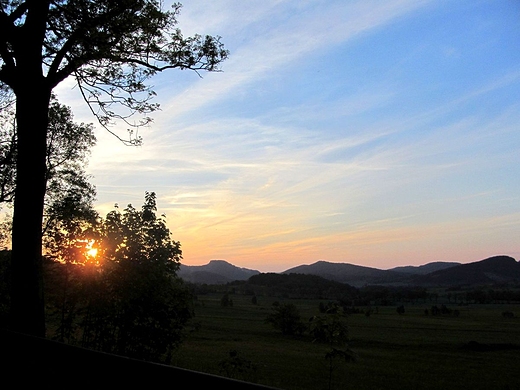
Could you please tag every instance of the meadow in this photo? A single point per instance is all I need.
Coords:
(478, 348)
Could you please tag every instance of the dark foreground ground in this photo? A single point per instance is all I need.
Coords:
(28, 360)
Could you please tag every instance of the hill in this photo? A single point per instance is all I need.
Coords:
(496, 269)
(355, 275)
(297, 286)
(426, 268)
(215, 272)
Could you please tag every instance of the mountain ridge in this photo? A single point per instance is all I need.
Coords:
(425, 268)
(495, 269)
(215, 272)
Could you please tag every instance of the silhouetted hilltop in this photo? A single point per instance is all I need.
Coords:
(496, 269)
(299, 286)
(354, 275)
(426, 268)
(215, 272)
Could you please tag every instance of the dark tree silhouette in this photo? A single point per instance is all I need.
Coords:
(127, 299)
(286, 318)
(68, 146)
(238, 367)
(111, 48)
(331, 330)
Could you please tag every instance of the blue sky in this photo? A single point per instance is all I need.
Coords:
(378, 133)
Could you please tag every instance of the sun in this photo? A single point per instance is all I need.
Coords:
(92, 252)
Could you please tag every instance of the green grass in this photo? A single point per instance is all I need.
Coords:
(409, 351)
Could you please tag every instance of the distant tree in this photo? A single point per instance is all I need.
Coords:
(331, 330)
(111, 48)
(226, 301)
(286, 318)
(477, 296)
(445, 310)
(238, 367)
(329, 307)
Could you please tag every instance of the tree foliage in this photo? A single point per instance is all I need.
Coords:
(68, 147)
(238, 367)
(330, 329)
(111, 48)
(127, 299)
(69, 196)
(286, 318)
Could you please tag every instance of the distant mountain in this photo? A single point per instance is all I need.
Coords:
(215, 272)
(496, 269)
(426, 268)
(355, 275)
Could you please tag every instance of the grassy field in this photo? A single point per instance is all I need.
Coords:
(409, 351)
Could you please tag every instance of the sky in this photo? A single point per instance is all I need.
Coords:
(376, 133)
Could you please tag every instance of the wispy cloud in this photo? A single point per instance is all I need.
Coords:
(314, 29)
(349, 170)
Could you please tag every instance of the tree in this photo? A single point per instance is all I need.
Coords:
(329, 329)
(238, 367)
(7, 153)
(69, 196)
(127, 299)
(110, 48)
(68, 145)
(286, 318)
(226, 301)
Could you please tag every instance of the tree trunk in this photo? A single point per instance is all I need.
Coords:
(27, 306)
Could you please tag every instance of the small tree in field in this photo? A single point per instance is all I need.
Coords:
(226, 301)
(238, 367)
(286, 318)
(331, 330)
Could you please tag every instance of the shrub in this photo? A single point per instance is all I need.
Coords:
(286, 318)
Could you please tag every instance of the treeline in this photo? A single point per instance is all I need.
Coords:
(493, 294)
(125, 299)
(128, 309)
(304, 286)
(300, 286)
